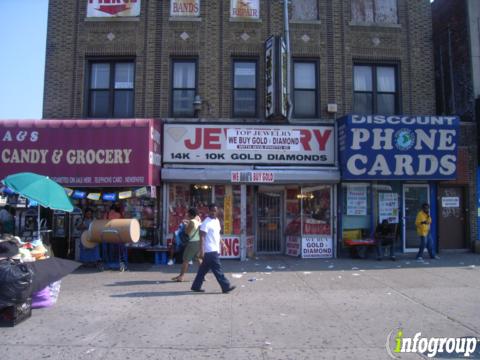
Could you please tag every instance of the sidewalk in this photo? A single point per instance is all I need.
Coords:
(283, 308)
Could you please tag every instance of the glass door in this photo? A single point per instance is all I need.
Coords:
(413, 198)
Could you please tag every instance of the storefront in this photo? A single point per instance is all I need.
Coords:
(390, 166)
(275, 184)
(101, 163)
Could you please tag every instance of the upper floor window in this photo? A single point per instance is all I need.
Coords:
(375, 89)
(304, 10)
(184, 87)
(111, 89)
(244, 88)
(375, 11)
(305, 93)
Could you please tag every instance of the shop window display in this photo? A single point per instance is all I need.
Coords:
(365, 205)
(356, 209)
(316, 211)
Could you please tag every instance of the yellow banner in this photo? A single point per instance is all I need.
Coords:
(227, 211)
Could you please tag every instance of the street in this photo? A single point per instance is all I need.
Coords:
(282, 308)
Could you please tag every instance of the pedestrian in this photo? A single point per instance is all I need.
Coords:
(114, 213)
(210, 242)
(423, 222)
(192, 229)
(385, 234)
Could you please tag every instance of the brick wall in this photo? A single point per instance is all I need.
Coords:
(154, 39)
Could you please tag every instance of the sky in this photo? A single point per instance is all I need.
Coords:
(22, 63)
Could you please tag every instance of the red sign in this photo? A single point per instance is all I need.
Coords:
(232, 247)
(109, 153)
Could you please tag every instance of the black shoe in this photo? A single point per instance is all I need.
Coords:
(197, 290)
(393, 258)
(229, 289)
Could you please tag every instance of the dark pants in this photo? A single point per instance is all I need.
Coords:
(211, 261)
(428, 242)
(380, 249)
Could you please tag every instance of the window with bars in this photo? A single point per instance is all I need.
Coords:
(184, 87)
(244, 88)
(375, 89)
(111, 89)
(305, 89)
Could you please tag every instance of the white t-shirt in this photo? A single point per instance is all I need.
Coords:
(212, 238)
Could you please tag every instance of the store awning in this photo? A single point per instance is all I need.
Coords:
(86, 153)
(284, 176)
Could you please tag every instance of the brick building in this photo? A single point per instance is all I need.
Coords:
(201, 68)
(457, 81)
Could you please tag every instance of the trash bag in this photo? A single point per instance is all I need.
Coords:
(15, 282)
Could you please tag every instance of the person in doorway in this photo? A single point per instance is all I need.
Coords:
(385, 235)
(192, 229)
(210, 242)
(423, 222)
(87, 220)
(114, 213)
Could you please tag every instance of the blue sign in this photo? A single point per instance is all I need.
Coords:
(77, 194)
(109, 196)
(379, 147)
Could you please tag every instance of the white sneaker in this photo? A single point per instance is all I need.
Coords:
(190, 262)
(170, 262)
(420, 258)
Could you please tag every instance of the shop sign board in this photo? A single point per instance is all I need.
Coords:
(292, 245)
(451, 202)
(246, 10)
(232, 244)
(388, 207)
(317, 247)
(109, 153)
(113, 8)
(185, 8)
(379, 147)
(253, 177)
(249, 144)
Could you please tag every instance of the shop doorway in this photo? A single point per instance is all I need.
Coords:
(269, 222)
(451, 224)
(414, 195)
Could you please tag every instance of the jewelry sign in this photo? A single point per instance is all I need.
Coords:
(249, 144)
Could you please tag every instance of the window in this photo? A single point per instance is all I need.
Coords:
(184, 87)
(244, 88)
(304, 10)
(375, 11)
(111, 89)
(375, 89)
(305, 96)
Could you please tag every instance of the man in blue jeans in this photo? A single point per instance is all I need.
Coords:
(210, 241)
(423, 223)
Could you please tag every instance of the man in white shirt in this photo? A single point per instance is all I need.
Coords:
(210, 242)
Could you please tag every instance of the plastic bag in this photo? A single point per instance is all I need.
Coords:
(15, 282)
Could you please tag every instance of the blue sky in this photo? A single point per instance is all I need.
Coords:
(22, 63)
